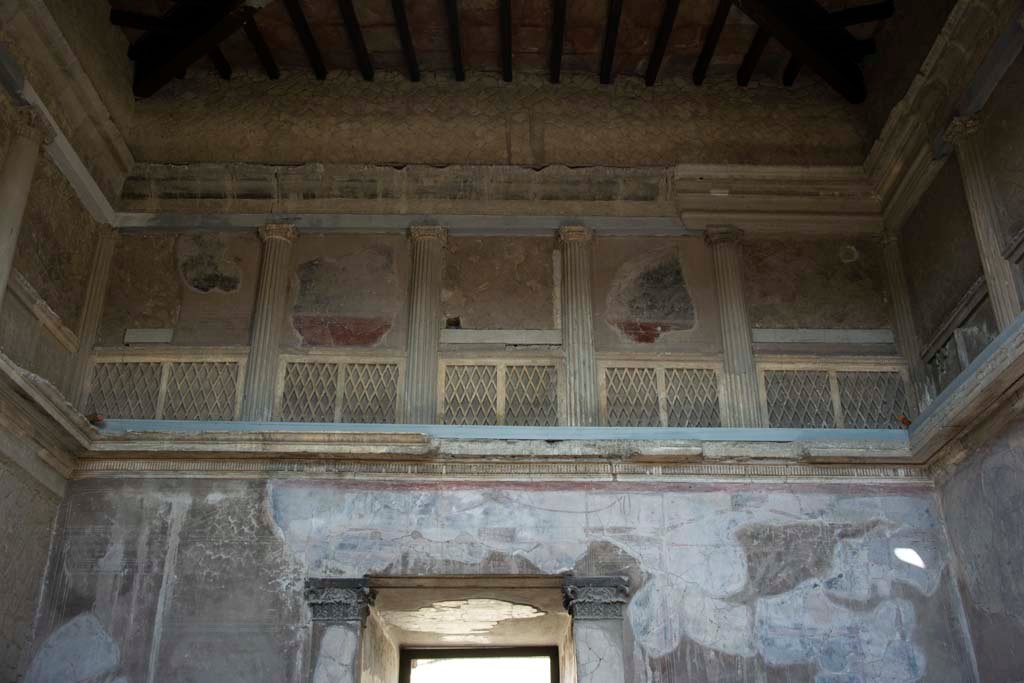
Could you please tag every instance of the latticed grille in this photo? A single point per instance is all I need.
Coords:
(370, 393)
(872, 400)
(310, 392)
(201, 391)
(471, 395)
(799, 398)
(127, 391)
(691, 397)
(632, 395)
(531, 395)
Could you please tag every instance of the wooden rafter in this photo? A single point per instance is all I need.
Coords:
(611, 36)
(700, 70)
(455, 38)
(505, 13)
(557, 40)
(753, 56)
(668, 20)
(412, 65)
(162, 55)
(266, 57)
(355, 38)
(309, 46)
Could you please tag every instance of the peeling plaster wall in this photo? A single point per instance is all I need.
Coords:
(201, 579)
(940, 254)
(348, 291)
(27, 514)
(815, 284)
(500, 283)
(654, 294)
(1002, 140)
(983, 506)
(201, 285)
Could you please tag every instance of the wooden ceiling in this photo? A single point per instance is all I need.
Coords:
(649, 38)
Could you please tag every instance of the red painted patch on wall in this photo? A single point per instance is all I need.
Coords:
(333, 330)
(643, 332)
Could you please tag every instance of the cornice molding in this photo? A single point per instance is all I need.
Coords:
(909, 153)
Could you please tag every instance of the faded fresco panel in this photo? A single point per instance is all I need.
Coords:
(729, 582)
(815, 284)
(655, 294)
(499, 283)
(348, 291)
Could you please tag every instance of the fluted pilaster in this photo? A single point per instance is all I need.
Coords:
(741, 402)
(419, 400)
(15, 182)
(1001, 276)
(578, 328)
(906, 334)
(92, 311)
(268, 318)
(597, 606)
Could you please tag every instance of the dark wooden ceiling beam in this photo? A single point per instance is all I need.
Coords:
(162, 55)
(266, 57)
(309, 46)
(863, 14)
(668, 20)
(753, 56)
(505, 12)
(142, 22)
(455, 39)
(800, 26)
(412, 65)
(355, 38)
(791, 71)
(220, 63)
(611, 36)
(700, 70)
(557, 40)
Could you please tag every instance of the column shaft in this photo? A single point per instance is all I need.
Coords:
(596, 605)
(1000, 275)
(419, 399)
(268, 318)
(741, 400)
(578, 328)
(92, 312)
(906, 334)
(15, 182)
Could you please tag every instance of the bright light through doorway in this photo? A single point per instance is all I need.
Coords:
(486, 669)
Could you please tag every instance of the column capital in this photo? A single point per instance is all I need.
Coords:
(575, 233)
(428, 232)
(722, 234)
(961, 128)
(279, 231)
(338, 600)
(596, 598)
(29, 124)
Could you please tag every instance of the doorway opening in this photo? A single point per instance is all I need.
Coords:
(469, 665)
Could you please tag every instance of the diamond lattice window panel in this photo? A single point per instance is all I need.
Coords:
(471, 395)
(632, 397)
(799, 398)
(691, 397)
(127, 391)
(310, 392)
(872, 400)
(531, 395)
(201, 391)
(371, 393)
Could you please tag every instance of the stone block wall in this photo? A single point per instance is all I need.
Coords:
(201, 579)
